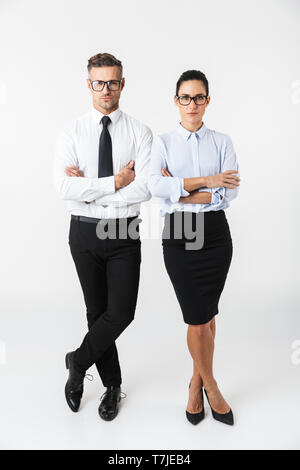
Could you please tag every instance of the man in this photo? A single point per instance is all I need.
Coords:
(101, 165)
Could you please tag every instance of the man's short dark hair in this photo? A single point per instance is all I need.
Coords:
(192, 75)
(104, 59)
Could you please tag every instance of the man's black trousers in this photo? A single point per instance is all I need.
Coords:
(109, 273)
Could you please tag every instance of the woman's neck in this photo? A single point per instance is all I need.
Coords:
(190, 127)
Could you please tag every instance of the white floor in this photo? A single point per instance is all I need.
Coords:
(254, 371)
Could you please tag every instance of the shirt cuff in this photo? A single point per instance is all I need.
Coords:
(107, 185)
(216, 198)
(183, 192)
(178, 190)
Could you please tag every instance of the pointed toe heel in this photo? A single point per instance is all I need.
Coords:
(195, 418)
(226, 418)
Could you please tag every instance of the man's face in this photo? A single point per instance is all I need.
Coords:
(191, 114)
(105, 100)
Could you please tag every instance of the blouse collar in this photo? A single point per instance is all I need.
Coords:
(186, 134)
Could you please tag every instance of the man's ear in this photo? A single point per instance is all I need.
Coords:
(122, 83)
(88, 83)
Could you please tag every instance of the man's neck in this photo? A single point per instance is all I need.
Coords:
(106, 111)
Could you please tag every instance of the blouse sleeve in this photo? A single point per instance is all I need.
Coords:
(229, 161)
(167, 187)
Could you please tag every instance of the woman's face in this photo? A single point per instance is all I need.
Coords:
(191, 114)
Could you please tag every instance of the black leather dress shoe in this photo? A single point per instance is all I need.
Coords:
(108, 408)
(74, 385)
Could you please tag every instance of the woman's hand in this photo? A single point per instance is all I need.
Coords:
(225, 179)
(73, 171)
(165, 172)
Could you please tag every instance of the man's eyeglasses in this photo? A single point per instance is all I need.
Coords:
(98, 85)
(185, 100)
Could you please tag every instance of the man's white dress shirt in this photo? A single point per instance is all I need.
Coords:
(78, 144)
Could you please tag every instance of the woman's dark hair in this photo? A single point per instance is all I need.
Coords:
(104, 59)
(192, 75)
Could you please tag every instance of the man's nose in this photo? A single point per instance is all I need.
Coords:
(105, 88)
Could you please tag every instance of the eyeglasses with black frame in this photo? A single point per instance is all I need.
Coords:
(112, 85)
(185, 100)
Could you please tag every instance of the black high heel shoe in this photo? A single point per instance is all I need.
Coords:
(195, 418)
(226, 418)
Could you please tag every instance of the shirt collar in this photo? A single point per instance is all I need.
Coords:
(186, 134)
(114, 116)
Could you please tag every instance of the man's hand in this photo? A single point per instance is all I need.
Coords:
(225, 179)
(165, 172)
(73, 171)
(125, 176)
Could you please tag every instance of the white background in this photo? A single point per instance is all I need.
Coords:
(249, 51)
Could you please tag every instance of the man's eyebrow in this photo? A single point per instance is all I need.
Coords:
(186, 94)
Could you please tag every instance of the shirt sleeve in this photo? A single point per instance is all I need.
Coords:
(136, 191)
(167, 187)
(223, 195)
(76, 188)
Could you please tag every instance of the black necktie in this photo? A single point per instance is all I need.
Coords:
(105, 164)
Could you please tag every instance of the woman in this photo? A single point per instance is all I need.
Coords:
(195, 170)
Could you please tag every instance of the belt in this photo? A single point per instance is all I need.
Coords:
(94, 220)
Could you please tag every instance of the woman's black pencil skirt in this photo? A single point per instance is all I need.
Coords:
(198, 275)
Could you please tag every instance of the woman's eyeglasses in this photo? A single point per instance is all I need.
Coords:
(185, 100)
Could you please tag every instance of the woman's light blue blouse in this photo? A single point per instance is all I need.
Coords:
(188, 154)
